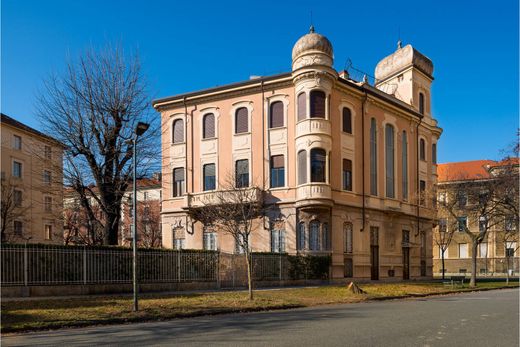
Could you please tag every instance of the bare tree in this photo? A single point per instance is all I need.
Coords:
(235, 211)
(148, 222)
(13, 209)
(442, 238)
(93, 108)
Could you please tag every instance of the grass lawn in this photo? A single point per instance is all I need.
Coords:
(26, 315)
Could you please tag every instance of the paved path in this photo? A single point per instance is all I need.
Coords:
(488, 318)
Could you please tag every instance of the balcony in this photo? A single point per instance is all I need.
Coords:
(219, 197)
(313, 126)
(314, 194)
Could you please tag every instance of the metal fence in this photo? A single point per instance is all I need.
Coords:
(485, 266)
(26, 265)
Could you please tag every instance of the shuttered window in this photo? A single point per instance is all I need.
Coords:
(318, 160)
(373, 157)
(178, 182)
(302, 167)
(208, 126)
(209, 177)
(178, 131)
(276, 114)
(405, 165)
(241, 121)
(347, 174)
(317, 104)
(347, 120)
(242, 173)
(389, 161)
(277, 171)
(302, 107)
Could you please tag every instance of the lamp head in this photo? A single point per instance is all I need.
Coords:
(141, 128)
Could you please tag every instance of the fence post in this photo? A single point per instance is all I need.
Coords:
(234, 268)
(84, 264)
(280, 260)
(218, 270)
(25, 266)
(178, 266)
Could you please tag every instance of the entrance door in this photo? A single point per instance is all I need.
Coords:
(374, 253)
(406, 263)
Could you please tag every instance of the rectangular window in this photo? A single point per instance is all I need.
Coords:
(277, 241)
(48, 231)
(347, 174)
(210, 239)
(277, 171)
(276, 115)
(17, 169)
(510, 249)
(483, 248)
(347, 120)
(301, 236)
(179, 240)
(210, 182)
(443, 225)
(462, 223)
(434, 153)
(48, 152)
(302, 106)
(47, 179)
(463, 250)
(47, 203)
(17, 198)
(145, 196)
(445, 253)
(422, 192)
(302, 167)
(18, 227)
(462, 199)
(241, 120)
(510, 223)
(389, 160)
(422, 149)
(374, 236)
(373, 157)
(17, 142)
(348, 238)
(406, 238)
(405, 165)
(178, 182)
(482, 224)
(242, 173)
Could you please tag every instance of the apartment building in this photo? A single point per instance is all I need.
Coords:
(344, 164)
(32, 181)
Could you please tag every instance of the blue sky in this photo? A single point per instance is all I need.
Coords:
(190, 45)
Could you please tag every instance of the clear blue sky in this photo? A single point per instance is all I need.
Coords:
(190, 45)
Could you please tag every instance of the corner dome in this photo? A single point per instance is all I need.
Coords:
(312, 42)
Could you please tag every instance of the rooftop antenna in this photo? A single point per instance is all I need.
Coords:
(399, 42)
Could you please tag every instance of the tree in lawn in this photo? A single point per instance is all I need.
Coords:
(236, 209)
(13, 208)
(93, 108)
(442, 236)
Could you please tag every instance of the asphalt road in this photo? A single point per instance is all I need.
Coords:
(474, 319)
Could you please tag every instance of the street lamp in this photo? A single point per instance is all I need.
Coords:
(140, 129)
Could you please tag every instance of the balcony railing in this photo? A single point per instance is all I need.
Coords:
(224, 196)
(313, 126)
(314, 191)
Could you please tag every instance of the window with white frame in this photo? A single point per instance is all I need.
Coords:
(242, 173)
(314, 235)
(463, 250)
(17, 142)
(483, 250)
(445, 253)
(209, 239)
(179, 239)
(510, 249)
(277, 241)
(301, 236)
(178, 182)
(482, 224)
(241, 244)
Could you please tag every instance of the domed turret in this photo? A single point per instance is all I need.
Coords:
(312, 49)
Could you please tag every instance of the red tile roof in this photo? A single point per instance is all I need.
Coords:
(465, 170)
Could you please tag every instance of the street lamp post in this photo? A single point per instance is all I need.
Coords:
(140, 129)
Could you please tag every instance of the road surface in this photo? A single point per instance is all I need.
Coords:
(488, 318)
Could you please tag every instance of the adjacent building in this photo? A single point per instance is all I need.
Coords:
(345, 164)
(468, 184)
(32, 182)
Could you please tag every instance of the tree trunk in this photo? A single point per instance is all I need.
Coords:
(443, 266)
(249, 274)
(473, 280)
(111, 229)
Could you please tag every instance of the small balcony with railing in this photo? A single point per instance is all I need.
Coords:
(217, 197)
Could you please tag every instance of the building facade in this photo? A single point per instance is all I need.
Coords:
(467, 184)
(32, 182)
(341, 162)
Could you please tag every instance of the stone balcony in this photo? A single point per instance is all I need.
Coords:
(216, 197)
(314, 194)
(313, 126)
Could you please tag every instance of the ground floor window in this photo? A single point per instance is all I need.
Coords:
(209, 240)
(277, 241)
(314, 236)
(179, 239)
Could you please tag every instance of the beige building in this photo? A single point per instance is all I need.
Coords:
(465, 183)
(32, 184)
(342, 162)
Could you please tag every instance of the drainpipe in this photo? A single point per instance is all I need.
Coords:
(263, 135)
(418, 188)
(363, 155)
(186, 140)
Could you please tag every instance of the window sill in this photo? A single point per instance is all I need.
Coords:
(278, 128)
(209, 138)
(240, 134)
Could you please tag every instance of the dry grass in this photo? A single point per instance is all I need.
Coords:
(47, 314)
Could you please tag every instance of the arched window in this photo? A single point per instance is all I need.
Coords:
(434, 153)
(317, 104)
(389, 160)
(301, 236)
(314, 235)
(302, 167)
(208, 126)
(276, 115)
(318, 160)
(325, 236)
(347, 120)
(405, 165)
(422, 149)
(421, 103)
(373, 157)
(302, 106)
(241, 121)
(178, 131)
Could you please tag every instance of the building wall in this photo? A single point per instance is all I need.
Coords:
(33, 213)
